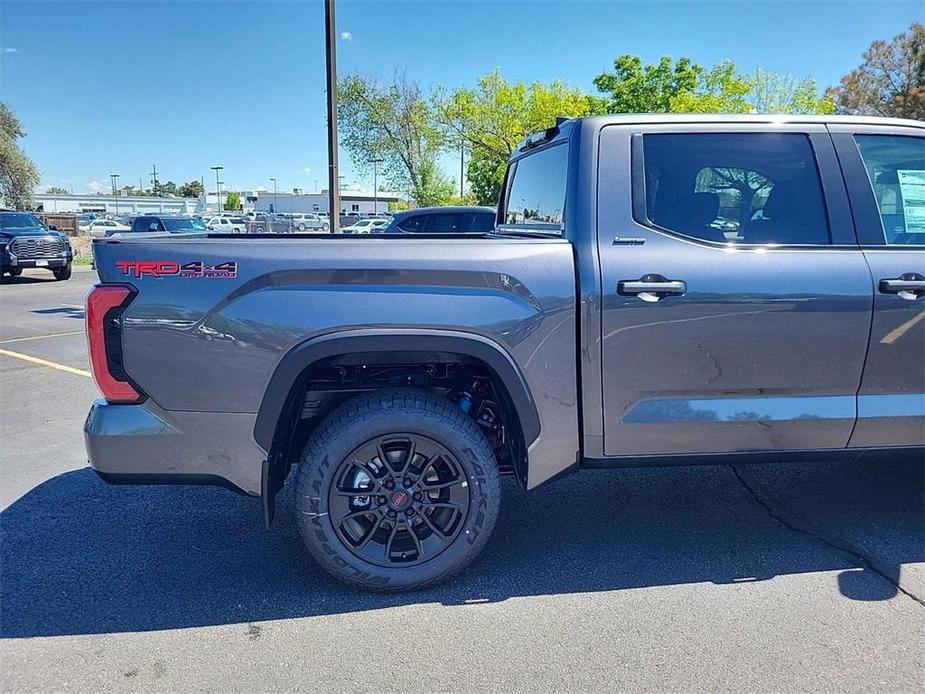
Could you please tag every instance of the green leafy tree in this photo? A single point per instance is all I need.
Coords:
(190, 189)
(772, 93)
(18, 175)
(393, 122)
(670, 86)
(890, 82)
(492, 118)
(233, 201)
(56, 190)
(718, 90)
(485, 173)
(169, 188)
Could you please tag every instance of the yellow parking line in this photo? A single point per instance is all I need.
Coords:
(40, 337)
(45, 362)
(901, 330)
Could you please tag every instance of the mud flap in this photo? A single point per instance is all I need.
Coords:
(270, 483)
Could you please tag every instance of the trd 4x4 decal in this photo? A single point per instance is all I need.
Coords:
(171, 268)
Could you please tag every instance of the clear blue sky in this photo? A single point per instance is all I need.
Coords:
(111, 87)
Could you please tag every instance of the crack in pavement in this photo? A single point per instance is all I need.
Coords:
(860, 557)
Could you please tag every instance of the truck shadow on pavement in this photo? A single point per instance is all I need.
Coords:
(81, 557)
(28, 279)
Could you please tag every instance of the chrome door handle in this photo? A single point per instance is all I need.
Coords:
(651, 287)
(910, 285)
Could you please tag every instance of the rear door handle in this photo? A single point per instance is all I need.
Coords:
(910, 285)
(651, 287)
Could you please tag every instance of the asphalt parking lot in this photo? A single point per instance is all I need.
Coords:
(758, 578)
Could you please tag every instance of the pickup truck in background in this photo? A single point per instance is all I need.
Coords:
(657, 290)
(264, 223)
(27, 242)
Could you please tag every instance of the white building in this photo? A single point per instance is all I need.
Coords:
(362, 202)
(110, 204)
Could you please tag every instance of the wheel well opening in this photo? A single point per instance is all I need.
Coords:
(467, 381)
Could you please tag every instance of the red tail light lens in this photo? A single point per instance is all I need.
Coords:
(105, 303)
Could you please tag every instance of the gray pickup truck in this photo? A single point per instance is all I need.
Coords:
(657, 290)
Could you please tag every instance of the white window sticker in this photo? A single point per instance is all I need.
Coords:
(912, 189)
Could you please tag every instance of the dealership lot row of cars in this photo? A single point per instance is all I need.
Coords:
(26, 241)
(239, 223)
(423, 220)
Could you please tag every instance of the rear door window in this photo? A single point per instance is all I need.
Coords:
(441, 223)
(750, 188)
(412, 224)
(896, 168)
(479, 222)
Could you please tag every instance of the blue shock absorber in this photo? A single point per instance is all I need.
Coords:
(465, 401)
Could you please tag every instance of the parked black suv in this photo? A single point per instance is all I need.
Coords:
(25, 241)
(442, 220)
(175, 224)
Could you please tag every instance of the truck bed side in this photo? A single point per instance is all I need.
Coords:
(213, 318)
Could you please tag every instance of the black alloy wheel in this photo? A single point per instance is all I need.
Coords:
(396, 489)
(399, 500)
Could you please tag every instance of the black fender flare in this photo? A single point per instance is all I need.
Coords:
(304, 354)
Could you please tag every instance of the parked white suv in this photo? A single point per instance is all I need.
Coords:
(366, 226)
(226, 225)
(100, 228)
(308, 220)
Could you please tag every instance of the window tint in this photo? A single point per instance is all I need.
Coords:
(142, 223)
(17, 220)
(412, 224)
(441, 223)
(896, 168)
(735, 188)
(182, 224)
(477, 222)
(536, 191)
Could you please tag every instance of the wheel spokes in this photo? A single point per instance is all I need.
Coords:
(372, 531)
(385, 485)
(409, 457)
(430, 524)
(388, 543)
(414, 537)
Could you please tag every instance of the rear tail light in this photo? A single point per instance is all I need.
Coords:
(105, 305)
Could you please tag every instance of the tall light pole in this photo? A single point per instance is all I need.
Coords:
(275, 198)
(218, 186)
(330, 45)
(154, 178)
(375, 161)
(115, 191)
(462, 158)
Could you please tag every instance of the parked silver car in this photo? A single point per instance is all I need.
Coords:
(308, 221)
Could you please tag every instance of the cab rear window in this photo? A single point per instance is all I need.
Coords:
(535, 196)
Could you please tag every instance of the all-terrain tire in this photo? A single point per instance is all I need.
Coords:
(383, 413)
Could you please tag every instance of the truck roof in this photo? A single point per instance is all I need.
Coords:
(655, 118)
(564, 126)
